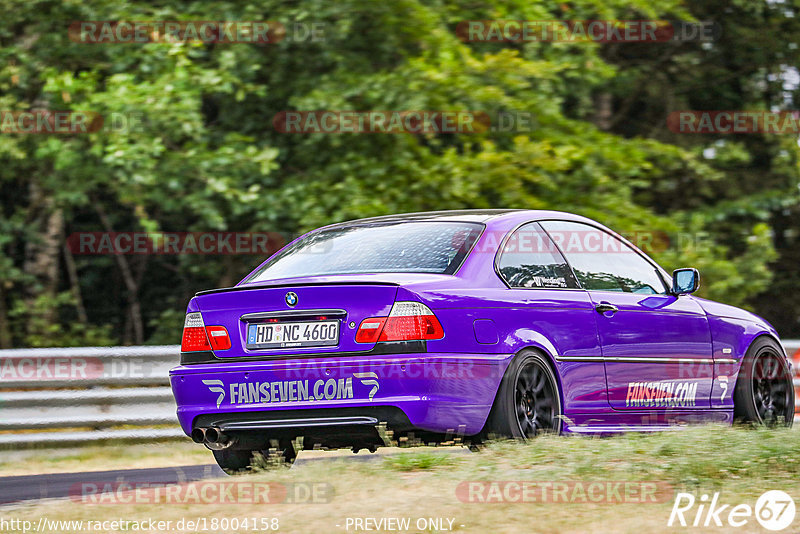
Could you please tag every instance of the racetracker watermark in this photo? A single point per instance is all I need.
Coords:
(599, 31)
(727, 362)
(592, 241)
(201, 492)
(734, 122)
(20, 369)
(175, 243)
(424, 370)
(24, 369)
(203, 31)
(387, 122)
(68, 122)
(564, 492)
(142, 524)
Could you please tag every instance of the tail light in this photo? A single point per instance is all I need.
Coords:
(198, 337)
(218, 335)
(408, 321)
(194, 334)
(370, 330)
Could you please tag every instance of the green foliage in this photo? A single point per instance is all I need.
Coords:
(204, 156)
(43, 332)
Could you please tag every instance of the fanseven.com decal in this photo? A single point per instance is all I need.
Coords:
(238, 393)
(661, 394)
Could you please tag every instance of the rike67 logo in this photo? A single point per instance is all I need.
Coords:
(774, 510)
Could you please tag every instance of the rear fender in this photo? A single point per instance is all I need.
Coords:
(529, 338)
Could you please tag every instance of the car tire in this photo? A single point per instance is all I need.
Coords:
(234, 461)
(528, 402)
(764, 393)
(238, 461)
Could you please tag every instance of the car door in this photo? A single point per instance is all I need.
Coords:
(548, 301)
(656, 347)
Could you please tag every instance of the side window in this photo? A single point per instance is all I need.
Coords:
(602, 262)
(529, 259)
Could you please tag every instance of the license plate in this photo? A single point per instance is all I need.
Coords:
(292, 334)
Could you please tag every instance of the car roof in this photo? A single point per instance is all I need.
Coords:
(474, 215)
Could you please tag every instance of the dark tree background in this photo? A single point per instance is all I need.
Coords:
(206, 156)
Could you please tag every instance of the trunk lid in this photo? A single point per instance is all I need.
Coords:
(317, 303)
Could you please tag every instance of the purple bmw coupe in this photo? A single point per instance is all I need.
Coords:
(461, 325)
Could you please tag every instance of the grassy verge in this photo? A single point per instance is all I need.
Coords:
(418, 485)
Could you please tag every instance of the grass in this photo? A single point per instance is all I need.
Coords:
(741, 464)
(409, 461)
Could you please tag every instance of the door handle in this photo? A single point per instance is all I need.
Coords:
(605, 307)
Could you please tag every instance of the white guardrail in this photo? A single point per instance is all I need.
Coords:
(67, 396)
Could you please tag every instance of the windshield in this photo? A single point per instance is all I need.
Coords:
(405, 247)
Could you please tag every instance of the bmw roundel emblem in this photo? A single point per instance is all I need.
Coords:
(291, 298)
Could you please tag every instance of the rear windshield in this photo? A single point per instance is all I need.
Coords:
(398, 247)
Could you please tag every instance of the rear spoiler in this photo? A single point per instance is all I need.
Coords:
(247, 287)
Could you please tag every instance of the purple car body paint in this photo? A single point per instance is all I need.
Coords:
(414, 321)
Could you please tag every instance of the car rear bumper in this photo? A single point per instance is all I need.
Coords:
(445, 392)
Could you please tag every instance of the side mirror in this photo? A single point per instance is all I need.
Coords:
(685, 281)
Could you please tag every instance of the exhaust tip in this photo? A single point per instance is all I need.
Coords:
(198, 435)
(212, 435)
(217, 440)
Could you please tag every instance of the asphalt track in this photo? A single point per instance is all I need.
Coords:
(58, 485)
(18, 489)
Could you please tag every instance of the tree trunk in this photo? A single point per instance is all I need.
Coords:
(604, 110)
(74, 282)
(42, 254)
(6, 342)
(134, 308)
